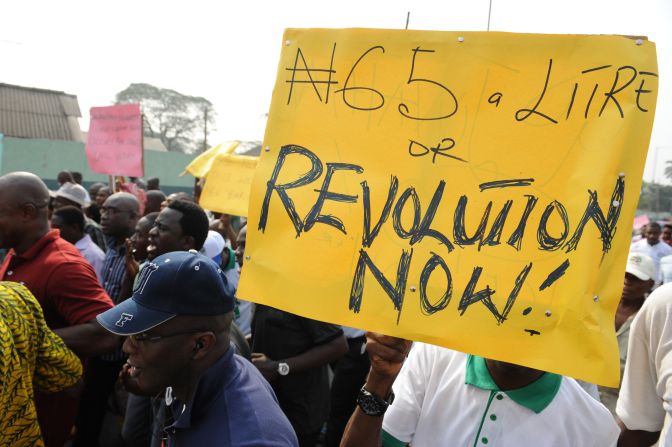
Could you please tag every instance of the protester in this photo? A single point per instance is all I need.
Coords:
(176, 196)
(652, 247)
(214, 248)
(71, 194)
(638, 282)
(69, 221)
(140, 410)
(136, 251)
(94, 188)
(140, 238)
(119, 215)
(349, 376)
(177, 324)
(293, 354)
(102, 195)
(444, 397)
(666, 235)
(244, 309)
(153, 184)
(63, 177)
(645, 403)
(32, 357)
(223, 225)
(93, 210)
(154, 200)
(63, 282)
(183, 225)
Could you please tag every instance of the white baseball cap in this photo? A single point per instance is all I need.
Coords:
(213, 246)
(641, 266)
(73, 192)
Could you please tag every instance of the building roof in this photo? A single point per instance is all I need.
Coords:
(252, 148)
(27, 112)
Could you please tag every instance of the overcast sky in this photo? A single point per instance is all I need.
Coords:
(228, 52)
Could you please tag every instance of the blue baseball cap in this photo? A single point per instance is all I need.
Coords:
(176, 283)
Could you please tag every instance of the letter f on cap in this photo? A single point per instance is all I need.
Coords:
(123, 319)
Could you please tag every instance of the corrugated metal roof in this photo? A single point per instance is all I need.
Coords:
(37, 113)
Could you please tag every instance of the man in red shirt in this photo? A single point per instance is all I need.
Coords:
(63, 282)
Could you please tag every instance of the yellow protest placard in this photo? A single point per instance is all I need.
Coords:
(201, 165)
(471, 190)
(227, 184)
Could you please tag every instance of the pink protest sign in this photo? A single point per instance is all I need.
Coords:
(114, 145)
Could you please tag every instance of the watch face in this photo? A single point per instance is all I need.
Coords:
(283, 369)
(370, 406)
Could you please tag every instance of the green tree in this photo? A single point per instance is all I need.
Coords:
(668, 169)
(181, 122)
(655, 198)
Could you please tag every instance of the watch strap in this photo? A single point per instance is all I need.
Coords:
(373, 405)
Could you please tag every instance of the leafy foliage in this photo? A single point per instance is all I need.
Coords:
(180, 121)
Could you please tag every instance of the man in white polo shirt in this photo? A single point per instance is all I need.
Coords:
(652, 246)
(444, 397)
(645, 402)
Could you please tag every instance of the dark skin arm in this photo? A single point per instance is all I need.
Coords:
(88, 339)
(229, 234)
(636, 438)
(132, 267)
(387, 354)
(313, 358)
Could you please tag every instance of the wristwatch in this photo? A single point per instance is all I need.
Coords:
(373, 405)
(283, 368)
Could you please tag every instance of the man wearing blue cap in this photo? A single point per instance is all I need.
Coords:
(177, 323)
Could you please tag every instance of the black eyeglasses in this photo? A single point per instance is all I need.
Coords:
(145, 337)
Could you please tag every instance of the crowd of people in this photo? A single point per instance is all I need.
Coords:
(120, 326)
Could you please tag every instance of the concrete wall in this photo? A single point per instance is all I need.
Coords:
(46, 158)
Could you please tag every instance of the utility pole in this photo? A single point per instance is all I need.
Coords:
(205, 129)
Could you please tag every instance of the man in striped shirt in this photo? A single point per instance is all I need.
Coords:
(119, 215)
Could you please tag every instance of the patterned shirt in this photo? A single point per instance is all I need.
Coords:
(113, 274)
(114, 271)
(32, 355)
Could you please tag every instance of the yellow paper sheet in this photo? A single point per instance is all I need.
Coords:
(227, 184)
(471, 190)
(201, 165)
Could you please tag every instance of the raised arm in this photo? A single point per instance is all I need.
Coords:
(387, 355)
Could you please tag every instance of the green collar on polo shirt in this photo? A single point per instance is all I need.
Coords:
(536, 396)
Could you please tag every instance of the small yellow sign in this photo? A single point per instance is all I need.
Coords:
(227, 184)
(471, 190)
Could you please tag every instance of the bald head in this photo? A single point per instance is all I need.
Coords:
(23, 187)
(119, 214)
(125, 201)
(24, 201)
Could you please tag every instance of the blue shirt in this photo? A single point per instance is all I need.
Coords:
(233, 406)
(114, 271)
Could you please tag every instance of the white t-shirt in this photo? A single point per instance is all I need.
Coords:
(645, 402)
(434, 406)
(656, 252)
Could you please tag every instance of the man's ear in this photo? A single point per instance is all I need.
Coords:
(203, 343)
(650, 283)
(188, 243)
